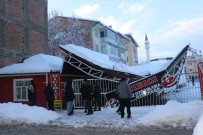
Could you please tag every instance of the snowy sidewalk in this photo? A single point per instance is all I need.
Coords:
(171, 115)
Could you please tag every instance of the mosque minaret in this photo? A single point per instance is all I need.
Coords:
(147, 48)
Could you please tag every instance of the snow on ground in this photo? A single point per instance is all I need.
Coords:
(173, 114)
(22, 113)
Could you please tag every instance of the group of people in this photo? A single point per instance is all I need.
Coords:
(90, 94)
(49, 94)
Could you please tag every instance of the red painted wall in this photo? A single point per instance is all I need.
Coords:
(6, 88)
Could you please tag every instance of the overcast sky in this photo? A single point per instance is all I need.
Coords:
(169, 24)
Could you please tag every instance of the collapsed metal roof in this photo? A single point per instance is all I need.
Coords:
(79, 67)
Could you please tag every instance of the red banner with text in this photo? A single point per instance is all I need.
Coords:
(54, 79)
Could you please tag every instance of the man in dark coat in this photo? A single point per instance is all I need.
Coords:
(69, 97)
(32, 96)
(87, 95)
(193, 80)
(84, 94)
(49, 93)
(97, 96)
(124, 95)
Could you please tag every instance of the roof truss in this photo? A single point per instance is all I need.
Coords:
(87, 69)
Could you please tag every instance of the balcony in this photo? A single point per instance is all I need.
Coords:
(108, 40)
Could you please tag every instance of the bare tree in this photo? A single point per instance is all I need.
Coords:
(64, 30)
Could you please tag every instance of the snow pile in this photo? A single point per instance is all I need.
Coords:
(198, 128)
(21, 113)
(174, 114)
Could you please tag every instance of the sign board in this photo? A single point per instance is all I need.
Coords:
(157, 82)
(54, 79)
(152, 84)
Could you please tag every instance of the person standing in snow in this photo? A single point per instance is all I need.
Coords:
(83, 94)
(49, 94)
(119, 106)
(97, 97)
(124, 95)
(87, 95)
(69, 97)
(193, 80)
(32, 96)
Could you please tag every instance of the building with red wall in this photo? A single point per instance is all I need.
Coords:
(39, 68)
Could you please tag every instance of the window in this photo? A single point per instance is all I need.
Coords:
(189, 63)
(102, 34)
(123, 57)
(63, 86)
(113, 50)
(21, 89)
(96, 48)
(111, 35)
(104, 49)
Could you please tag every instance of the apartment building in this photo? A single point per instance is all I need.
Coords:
(104, 39)
(132, 47)
(191, 66)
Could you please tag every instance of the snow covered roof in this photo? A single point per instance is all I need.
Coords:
(152, 67)
(103, 60)
(96, 58)
(39, 63)
(42, 63)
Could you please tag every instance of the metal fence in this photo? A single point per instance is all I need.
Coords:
(184, 91)
(105, 85)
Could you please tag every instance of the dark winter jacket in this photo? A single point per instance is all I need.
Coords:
(86, 91)
(49, 93)
(123, 90)
(97, 93)
(69, 92)
(32, 96)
